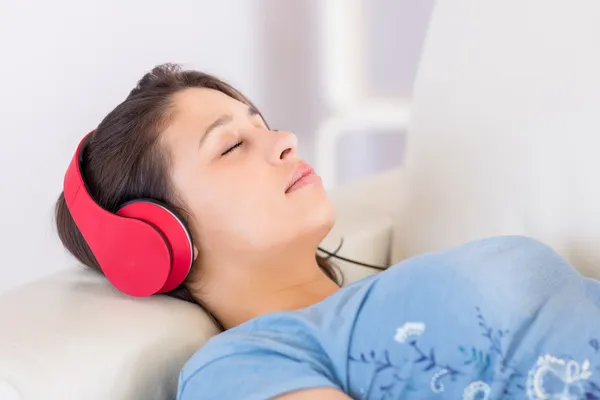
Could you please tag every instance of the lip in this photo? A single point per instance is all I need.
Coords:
(303, 175)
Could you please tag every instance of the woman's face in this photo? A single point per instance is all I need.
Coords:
(234, 176)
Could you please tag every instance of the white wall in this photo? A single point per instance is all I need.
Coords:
(63, 65)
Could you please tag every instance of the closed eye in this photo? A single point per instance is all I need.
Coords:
(232, 148)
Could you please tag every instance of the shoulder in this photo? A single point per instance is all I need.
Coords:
(269, 360)
(267, 334)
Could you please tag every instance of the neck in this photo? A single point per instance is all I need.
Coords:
(239, 294)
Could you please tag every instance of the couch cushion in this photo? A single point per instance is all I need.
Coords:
(75, 330)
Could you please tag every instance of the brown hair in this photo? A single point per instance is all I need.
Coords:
(124, 161)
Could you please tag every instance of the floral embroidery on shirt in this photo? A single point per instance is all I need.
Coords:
(409, 329)
(436, 385)
(477, 390)
(488, 361)
(554, 378)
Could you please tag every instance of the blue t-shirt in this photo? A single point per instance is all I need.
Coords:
(503, 317)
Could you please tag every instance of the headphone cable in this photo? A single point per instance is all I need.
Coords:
(336, 256)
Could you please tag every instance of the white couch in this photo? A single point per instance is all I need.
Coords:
(504, 139)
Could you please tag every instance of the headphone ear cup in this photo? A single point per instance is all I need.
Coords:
(133, 255)
(174, 232)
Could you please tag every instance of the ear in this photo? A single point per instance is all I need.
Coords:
(195, 253)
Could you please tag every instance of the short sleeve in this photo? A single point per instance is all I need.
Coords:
(252, 370)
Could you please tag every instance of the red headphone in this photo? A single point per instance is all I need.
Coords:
(143, 249)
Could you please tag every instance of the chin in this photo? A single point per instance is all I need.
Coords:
(312, 214)
(321, 219)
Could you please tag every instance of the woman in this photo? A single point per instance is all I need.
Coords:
(490, 319)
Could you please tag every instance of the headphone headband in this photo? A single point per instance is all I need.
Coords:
(142, 249)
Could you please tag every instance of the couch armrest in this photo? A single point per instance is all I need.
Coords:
(71, 336)
(367, 211)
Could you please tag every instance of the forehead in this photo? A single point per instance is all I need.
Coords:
(202, 106)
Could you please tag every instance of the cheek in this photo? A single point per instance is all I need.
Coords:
(240, 212)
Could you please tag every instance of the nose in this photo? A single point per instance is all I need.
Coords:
(284, 146)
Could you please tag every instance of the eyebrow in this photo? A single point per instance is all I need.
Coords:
(224, 120)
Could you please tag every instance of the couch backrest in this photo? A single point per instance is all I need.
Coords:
(505, 134)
